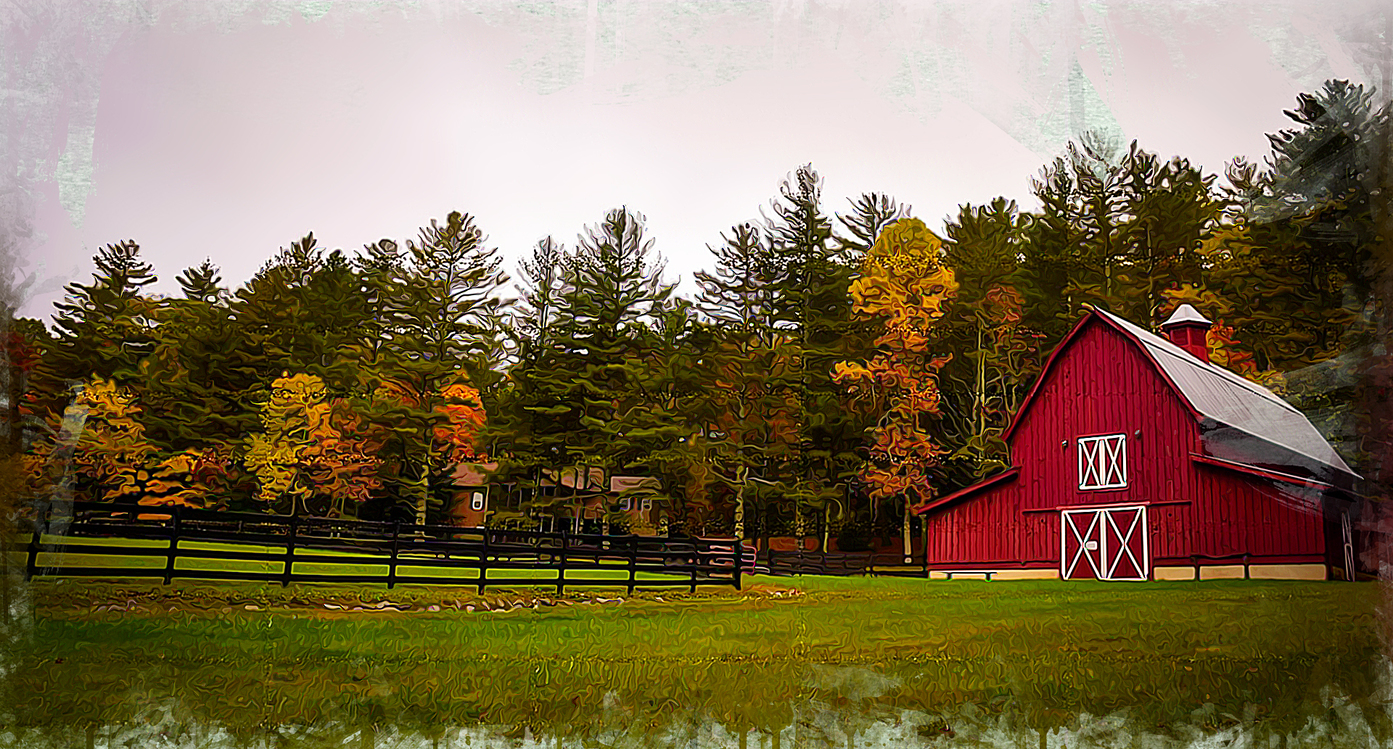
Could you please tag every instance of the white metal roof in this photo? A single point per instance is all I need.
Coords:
(1185, 313)
(1234, 401)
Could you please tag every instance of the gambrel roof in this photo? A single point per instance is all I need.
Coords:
(1239, 411)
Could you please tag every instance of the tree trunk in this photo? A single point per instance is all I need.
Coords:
(981, 405)
(423, 491)
(826, 520)
(740, 478)
(905, 535)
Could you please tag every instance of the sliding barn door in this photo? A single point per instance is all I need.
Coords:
(1104, 544)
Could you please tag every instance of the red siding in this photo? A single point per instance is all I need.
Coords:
(1104, 384)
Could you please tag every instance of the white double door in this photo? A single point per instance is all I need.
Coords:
(1106, 543)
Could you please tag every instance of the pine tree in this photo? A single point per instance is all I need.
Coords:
(439, 316)
(870, 215)
(195, 382)
(737, 296)
(525, 423)
(738, 293)
(201, 284)
(102, 329)
(540, 296)
(579, 400)
(303, 312)
(1000, 352)
(812, 312)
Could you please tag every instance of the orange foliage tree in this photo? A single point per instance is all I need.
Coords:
(112, 460)
(415, 428)
(905, 282)
(302, 458)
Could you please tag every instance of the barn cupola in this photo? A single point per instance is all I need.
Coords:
(1188, 329)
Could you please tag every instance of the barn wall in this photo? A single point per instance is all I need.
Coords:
(987, 530)
(1104, 385)
(1234, 514)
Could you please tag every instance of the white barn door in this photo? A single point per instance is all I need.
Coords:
(1104, 544)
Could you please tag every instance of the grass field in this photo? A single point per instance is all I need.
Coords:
(1267, 655)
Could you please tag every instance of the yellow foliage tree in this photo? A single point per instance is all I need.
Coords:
(112, 457)
(905, 282)
(302, 457)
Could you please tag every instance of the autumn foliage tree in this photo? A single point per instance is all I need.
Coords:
(303, 460)
(904, 282)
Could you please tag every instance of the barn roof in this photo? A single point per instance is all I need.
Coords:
(1213, 393)
(1231, 400)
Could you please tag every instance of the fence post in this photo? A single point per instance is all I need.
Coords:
(392, 559)
(172, 552)
(739, 561)
(484, 562)
(633, 562)
(31, 565)
(695, 560)
(561, 564)
(289, 553)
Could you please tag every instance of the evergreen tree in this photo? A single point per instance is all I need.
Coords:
(747, 393)
(870, 215)
(202, 284)
(102, 329)
(196, 381)
(812, 311)
(587, 397)
(525, 423)
(439, 318)
(1000, 353)
(302, 312)
(738, 293)
(540, 297)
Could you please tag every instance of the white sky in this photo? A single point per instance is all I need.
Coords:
(206, 131)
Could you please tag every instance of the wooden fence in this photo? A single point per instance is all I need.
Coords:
(773, 562)
(105, 540)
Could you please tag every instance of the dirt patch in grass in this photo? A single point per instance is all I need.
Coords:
(68, 599)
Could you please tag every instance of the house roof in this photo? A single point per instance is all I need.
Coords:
(619, 484)
(473, 474)
(1211, 392)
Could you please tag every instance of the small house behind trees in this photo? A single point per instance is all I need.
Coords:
(1134, 457)
(577, 500)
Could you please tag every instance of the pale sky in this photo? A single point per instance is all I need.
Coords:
(203, 130)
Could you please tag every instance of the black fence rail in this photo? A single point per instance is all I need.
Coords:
(773, 562)
(169, 543)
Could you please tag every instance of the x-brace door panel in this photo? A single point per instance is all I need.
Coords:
(1104, 544)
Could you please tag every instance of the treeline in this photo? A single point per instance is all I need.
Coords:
(835, 369)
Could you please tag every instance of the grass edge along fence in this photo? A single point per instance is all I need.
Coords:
(96, 539)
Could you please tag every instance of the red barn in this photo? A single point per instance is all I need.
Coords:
(1136, 458)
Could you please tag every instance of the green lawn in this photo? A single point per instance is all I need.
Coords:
(1268, 654)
